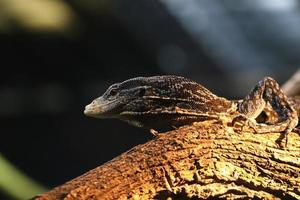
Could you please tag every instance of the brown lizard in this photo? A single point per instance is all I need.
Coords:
(168, 101)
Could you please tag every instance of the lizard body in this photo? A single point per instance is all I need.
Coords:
(168, 101)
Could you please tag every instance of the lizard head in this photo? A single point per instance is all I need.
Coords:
(140, 99)
(132, 96)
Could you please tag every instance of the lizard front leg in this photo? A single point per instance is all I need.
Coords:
(268, 92)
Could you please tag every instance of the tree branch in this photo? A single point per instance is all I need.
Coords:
(292, 86)
(205, 160)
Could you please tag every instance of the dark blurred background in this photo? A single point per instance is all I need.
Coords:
(56, 56)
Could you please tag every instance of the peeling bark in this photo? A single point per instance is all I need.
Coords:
(206, 160)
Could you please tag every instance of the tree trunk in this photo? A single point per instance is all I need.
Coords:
(206, 160)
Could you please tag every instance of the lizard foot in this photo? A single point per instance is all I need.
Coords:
(292, 126)
(240, 121)
(297, 130)
(283, 135)
(154, 132)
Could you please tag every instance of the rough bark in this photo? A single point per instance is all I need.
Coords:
(206, 160)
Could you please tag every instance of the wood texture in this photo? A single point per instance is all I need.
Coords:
(205, 160)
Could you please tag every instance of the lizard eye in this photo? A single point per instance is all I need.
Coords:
(142, 92)
(113, 92)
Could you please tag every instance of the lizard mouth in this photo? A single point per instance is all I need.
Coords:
(92, 110)
(99, 109)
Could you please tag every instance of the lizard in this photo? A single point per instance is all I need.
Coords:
(172, 101)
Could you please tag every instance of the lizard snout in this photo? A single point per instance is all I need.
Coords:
(102, 108)
(93, 109)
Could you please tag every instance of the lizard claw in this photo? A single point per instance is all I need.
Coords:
(297, 130)
(283, 135)
(154, 132)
